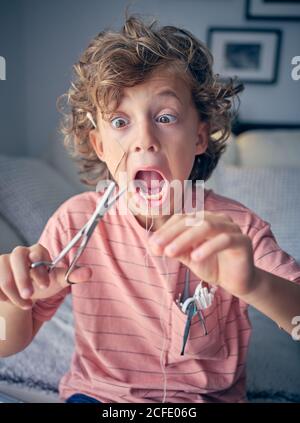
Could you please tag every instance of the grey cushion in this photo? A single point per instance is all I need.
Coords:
(272, 193)
(30, 191)
(57, 157)
(9, 237)
(272, 148)
(273, 371)
(42, 364)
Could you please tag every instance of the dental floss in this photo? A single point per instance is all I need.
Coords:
(116, 156)
(121, 155)
(147, 230)
(160, 315)
(164, 337)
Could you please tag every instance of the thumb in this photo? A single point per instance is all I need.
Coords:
(78, 275)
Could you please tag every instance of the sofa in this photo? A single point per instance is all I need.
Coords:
(260, 168)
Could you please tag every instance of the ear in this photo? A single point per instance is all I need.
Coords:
(96, 143)
(202, 139)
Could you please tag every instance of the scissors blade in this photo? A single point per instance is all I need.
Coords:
(190, 314)
(186, 291)
(86, 231)
(100, 211)
(68, 247)
(103, 206)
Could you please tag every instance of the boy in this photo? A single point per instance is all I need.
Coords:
(144, 106)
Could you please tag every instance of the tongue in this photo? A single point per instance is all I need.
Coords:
(151, 180)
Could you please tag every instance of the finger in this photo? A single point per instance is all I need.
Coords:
(198, 215)
(79, 275)
(40, 273)
(175, 224)
(216, 245)
(169, 223)
(166, 233)
(3, 297)
(8, 285)
(58, 281)
(19, 263)
(193, 236)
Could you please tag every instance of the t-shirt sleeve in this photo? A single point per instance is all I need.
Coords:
(54, 239)
(269, 256)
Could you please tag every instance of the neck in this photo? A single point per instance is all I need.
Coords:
(151, 223)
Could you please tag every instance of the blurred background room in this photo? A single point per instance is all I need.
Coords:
(257, 40)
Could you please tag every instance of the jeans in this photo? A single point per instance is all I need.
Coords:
(81, 398)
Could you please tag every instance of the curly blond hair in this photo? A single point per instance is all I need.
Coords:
(115, 60)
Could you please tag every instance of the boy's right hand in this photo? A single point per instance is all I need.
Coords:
(21, 285)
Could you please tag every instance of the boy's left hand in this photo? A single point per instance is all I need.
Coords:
(226, 253)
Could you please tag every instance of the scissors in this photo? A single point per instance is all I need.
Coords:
(189, 306)
(85, 233)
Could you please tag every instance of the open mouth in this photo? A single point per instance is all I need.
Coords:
(150, 185)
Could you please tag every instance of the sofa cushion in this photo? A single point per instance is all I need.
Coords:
(272, 193)
(9, 238)
(273, 371)
(272, 148)
(30, 191)
(40, 366)
(56, 156)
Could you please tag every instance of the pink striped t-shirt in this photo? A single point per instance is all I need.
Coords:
(120, 340)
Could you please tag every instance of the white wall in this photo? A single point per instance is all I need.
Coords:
(56, 31)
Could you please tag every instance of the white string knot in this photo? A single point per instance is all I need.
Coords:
(203, 297)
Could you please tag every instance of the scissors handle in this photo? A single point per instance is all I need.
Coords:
(53, 263)
(36, 264)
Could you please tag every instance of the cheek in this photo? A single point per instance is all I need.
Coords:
(114, 155)
(182, 156)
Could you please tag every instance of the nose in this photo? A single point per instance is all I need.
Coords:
(146, 137)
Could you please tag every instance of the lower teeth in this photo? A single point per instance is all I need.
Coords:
(152, 197)
(157, 195)
(147, 196)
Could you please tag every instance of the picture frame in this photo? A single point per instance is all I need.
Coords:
(251, 54)
(273, 9)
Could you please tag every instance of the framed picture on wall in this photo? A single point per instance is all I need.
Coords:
(273, 9)
(251, 54)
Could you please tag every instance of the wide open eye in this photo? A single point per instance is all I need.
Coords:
(117, 122)
(167, 118)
